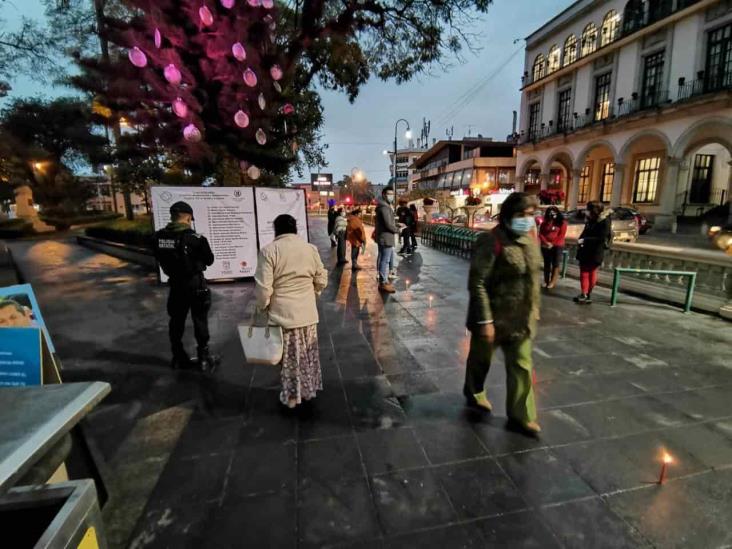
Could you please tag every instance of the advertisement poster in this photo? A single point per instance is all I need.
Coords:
(20, 357)
(19, 309)
(225, 216)
(274, 202)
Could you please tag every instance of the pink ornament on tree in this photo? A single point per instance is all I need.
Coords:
(180, 108)
(158, 38)
(277, 87)
(253, 172)
(254, 3)
(288, 109)
(250, 78)
(261, 136)
(137, 57)
(241, 119)
(275, 72)
(268, 4)
(192, 134)
(238, 51)
(228, 4)
(206, 16)
(172, 74)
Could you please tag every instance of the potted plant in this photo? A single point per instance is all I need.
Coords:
(472, 205)
(428, 205)
(551, 197)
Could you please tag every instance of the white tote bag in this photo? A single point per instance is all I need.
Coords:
(261, 344)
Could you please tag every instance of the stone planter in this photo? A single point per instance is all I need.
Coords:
(428, 212)
(471, 211)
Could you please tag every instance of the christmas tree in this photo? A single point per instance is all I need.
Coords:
(203, 78)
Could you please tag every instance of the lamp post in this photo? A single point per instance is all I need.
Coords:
(407, 135)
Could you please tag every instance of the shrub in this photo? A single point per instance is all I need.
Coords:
(63, 222)
(137, 232)
(473, 201)
(428, 201)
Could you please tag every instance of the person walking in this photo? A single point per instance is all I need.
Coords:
(356, 236)
(332, 214)
(592, 243)
(385, 234)
(339, 231)
(413, 227)
(289, 278)
(504, 308)
(552, 234)
(184, 255)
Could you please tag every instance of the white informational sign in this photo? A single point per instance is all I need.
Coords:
(274, 202)
(225, 216)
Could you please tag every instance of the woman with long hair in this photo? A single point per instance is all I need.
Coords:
(593, 242)
(552, 233)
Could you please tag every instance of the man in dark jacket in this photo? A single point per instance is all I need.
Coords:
(402, 213)
(183, 255)
(385, 235)
(592, 243)
(332, 215)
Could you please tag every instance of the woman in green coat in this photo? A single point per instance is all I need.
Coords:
(504, 285)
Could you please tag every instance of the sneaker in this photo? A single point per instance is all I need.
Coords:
(581, 299)
(387, 288)
(480, 401)
(588, 300)
(181, 363)
(530, 428)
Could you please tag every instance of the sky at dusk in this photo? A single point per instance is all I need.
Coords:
(474, 97)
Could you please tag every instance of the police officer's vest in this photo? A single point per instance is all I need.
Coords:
(174, 254)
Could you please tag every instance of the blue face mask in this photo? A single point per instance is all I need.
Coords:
(522, 225)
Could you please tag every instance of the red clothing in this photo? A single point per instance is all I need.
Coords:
(550, 233)
(588, 278)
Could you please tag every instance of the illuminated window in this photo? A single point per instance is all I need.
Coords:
(585, 183)
(539, 70)
(647, 172)
(570, 50)
(610, 28)
(589, 39)
(554, 59)
(602, 96)
(606, 184)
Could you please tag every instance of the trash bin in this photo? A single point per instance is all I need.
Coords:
(53, 516)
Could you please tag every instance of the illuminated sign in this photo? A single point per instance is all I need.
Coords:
(321, 179)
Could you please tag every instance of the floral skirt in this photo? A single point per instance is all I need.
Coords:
(301, 375)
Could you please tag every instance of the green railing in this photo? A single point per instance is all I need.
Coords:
(684, 274)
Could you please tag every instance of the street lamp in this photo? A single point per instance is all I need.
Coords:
(407, 135)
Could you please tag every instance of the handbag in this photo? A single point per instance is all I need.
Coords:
(261, 344)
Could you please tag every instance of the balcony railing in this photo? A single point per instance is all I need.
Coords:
(632, 24)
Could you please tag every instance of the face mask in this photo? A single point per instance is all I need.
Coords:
(390, 198)
(522, 225)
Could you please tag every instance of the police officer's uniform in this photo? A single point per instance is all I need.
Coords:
(184, 255)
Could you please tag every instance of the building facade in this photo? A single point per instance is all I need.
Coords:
(470, 166)
(404, 171)
(628, 102)
(104, 200)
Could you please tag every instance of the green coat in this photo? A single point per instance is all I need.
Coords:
(506, 288)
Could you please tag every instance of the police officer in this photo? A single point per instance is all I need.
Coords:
(184, 255)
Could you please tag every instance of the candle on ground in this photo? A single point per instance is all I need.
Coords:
(431, 298)
(667, 459)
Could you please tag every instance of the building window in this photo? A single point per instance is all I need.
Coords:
(658, 9)
(585, 182)
(647, 172)
(534, 120)
(564, 115)
(554, 59)
(719, 59)
(701, 179)
(504, 177)
(533, 178)
(602, 96)
(652, 80)
(635, 15)
(570, 50)
(610, 28)
(539, 70)
(589, 39)
(606, 183)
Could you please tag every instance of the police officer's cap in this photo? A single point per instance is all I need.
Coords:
(181, 207)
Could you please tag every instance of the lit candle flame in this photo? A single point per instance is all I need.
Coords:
(667, 458)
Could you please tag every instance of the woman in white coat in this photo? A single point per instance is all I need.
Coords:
(290, 276)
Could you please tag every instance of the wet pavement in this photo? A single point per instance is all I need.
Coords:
(388, 456)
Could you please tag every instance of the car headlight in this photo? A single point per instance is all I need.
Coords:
(723, 241)
(714, 230)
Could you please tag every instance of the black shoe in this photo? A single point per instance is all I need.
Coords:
(581, 299)
(588, 300)
(340, 263)
(207, 362)
(333, 245)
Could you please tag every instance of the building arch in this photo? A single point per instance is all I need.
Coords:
(561, 156)
(610, 28)
(528, 163)
(622, 155)
(570, 50)
(580, 158)
(538, 71)
(554, 61)
(704, 132)
(589, 40)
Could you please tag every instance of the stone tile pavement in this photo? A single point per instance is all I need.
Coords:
(388, 456)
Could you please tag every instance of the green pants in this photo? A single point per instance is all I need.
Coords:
(520, 403)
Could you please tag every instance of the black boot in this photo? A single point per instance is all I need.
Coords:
(206, 361)
(181, 362)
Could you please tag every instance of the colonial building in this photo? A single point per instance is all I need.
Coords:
(473, 165)
(628, 102)
(404, 172)
(104, 200)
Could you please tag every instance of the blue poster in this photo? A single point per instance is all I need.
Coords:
(20, 357)
(19, 309)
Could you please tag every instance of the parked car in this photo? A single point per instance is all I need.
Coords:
(624, 225)
(643, 224)
(721, 237)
